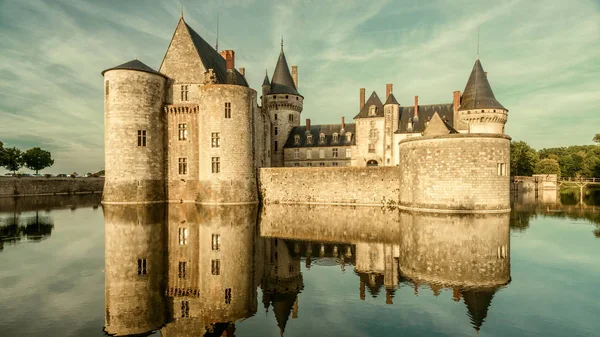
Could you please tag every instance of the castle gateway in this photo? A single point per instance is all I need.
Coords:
(194, 131)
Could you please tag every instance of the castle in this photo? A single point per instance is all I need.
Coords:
(194, 131)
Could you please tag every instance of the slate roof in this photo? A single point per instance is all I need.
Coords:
(135, 65)
(391, 100)
(266, 80)
(282, 81)
(478, 93)
(425, 113)
(437, 126)
(212, 59)
(478, 302)
(316, 130)
(373, 100)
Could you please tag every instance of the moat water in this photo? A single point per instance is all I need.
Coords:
(70, 267)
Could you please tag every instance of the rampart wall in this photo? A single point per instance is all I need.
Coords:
(330, 185)
(10, 187)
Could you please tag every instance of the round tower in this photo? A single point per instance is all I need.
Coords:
(479, 111)
(134, 134)
(284, 104)
(135, 259)
(227, 172)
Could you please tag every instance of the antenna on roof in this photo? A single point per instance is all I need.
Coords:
(181, 3)
(217, 45)
(478, 42)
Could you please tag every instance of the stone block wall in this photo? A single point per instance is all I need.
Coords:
(49, 186)
(330, 185)
(458, 172)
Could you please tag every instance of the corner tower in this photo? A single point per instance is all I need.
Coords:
(479, 111)
(284, 105)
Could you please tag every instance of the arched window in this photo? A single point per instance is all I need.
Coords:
(296, 139)
(309, 139)
(372, 163)
(348, 136)
(372, 110)
(336, 137)
(322, 138)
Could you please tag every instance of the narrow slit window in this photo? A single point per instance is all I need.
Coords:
(215, 267)
(227, 109)
(216, 164)
(185, 308)
(228, 296)
(182, 271)
(142, 267)
(216, 242)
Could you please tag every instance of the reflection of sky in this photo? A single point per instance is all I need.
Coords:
(56, 288)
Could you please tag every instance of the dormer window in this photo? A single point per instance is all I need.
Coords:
(322, 138)
(296, 139)
(335, 137)
(372, 110)
(348, 137)
(309, 139)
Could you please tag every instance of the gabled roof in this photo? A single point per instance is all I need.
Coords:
(478, 93)
(373, 100)
(437, 127)
(282, 81)
(316, 130)
(426, 112)
(135, 65)
(391, 100)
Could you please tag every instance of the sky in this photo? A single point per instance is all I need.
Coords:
(542, 59)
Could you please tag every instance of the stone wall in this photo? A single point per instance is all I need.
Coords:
(49, 186)
(330, 185)
(458, 172)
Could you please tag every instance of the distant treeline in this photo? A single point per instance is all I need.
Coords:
(34, 159)
(570, 161)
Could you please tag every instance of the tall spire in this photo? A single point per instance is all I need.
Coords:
(282, 43)
(478, 93)
(266, 80)
(282, 81)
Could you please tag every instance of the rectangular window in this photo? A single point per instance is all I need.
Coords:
(142, 267)
(348, 153)
(501, 168)
(182, 273)
(308, 164)
(321, 153)
(183, 131)
(291, 118)
(215, 267)
(228, 296)
(141, 137)
(216, 242)
(296, 164)
(184, 92)
(182, 165)
(227, 109)
(275, 131)
(371, 148)
(276, 147)
(215, 139)
(185, 308)
(296, 153)
(334, 164)
(308, 154)
(321, 164)
(275, 116)
(216, 164)
(334, 153)
(183, 236)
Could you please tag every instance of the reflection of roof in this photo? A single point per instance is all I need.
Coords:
(373, 281)
(134, 65)
(373, 100)
(316, 130)
(282, 306)
(282, 82)
(478, 302)
(478, 93)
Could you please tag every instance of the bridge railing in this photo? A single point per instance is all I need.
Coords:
(579, 180)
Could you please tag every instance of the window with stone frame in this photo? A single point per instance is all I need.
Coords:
(182, 165)
(348, 153)
(185, 308)
(215, 139)
(296, 153)
(371, 148)
(308, 164)
(141, 137)
(309, 139)
(227, 109)
(275, 116)
(348, 137)
(182, 127)
(501, 169)
(216, 242)
(182, 270)
(296, 164)
(309, 154)
(215, 164)
(321, 164)
(276, 131)
(334, 164)
(184, 92)
(335, 137)
(215, 267)
(290, 117)
(142, 267)
(321, 153)
(373, 133)
(322, 138)
(183, 236)
(296, 139)
(276, 146)
(228, 296)
(372, 110)
(334, 153)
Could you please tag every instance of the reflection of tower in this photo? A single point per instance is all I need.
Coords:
(134, 268)
(212, 279)
(478, 301)
(377, 265)
(282, 281)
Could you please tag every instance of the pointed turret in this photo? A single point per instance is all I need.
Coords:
(266, 80)
(282, 82)
(391, 100)
(478, 303)
(478, 93)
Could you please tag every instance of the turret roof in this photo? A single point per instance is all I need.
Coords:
(266, 81)
(373, 100)
(282, 82)
(478, 302)
(478, 93)
(391, 100)
(135, 65)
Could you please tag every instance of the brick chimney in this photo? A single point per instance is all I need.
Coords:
(456, 101)
(362, 98)
(295, 75)
(343, 123)
(388, 90)
(308, 124)
(243, 71)
(417, 106)
(229, 56)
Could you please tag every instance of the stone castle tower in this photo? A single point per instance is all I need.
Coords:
(191, 132)
(283, 103)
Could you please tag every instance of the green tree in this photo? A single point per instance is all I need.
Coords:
(596, 138)
(13, 159)
(547, 166)
(523, 159)
(37, 159)
(1, 154)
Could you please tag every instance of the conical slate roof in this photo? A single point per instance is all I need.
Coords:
(478, 302)
(391, 100)
(266, 81)
(478, 94)
(135, 65)
(282, 82)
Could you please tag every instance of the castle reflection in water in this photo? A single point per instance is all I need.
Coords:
(186, 269)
